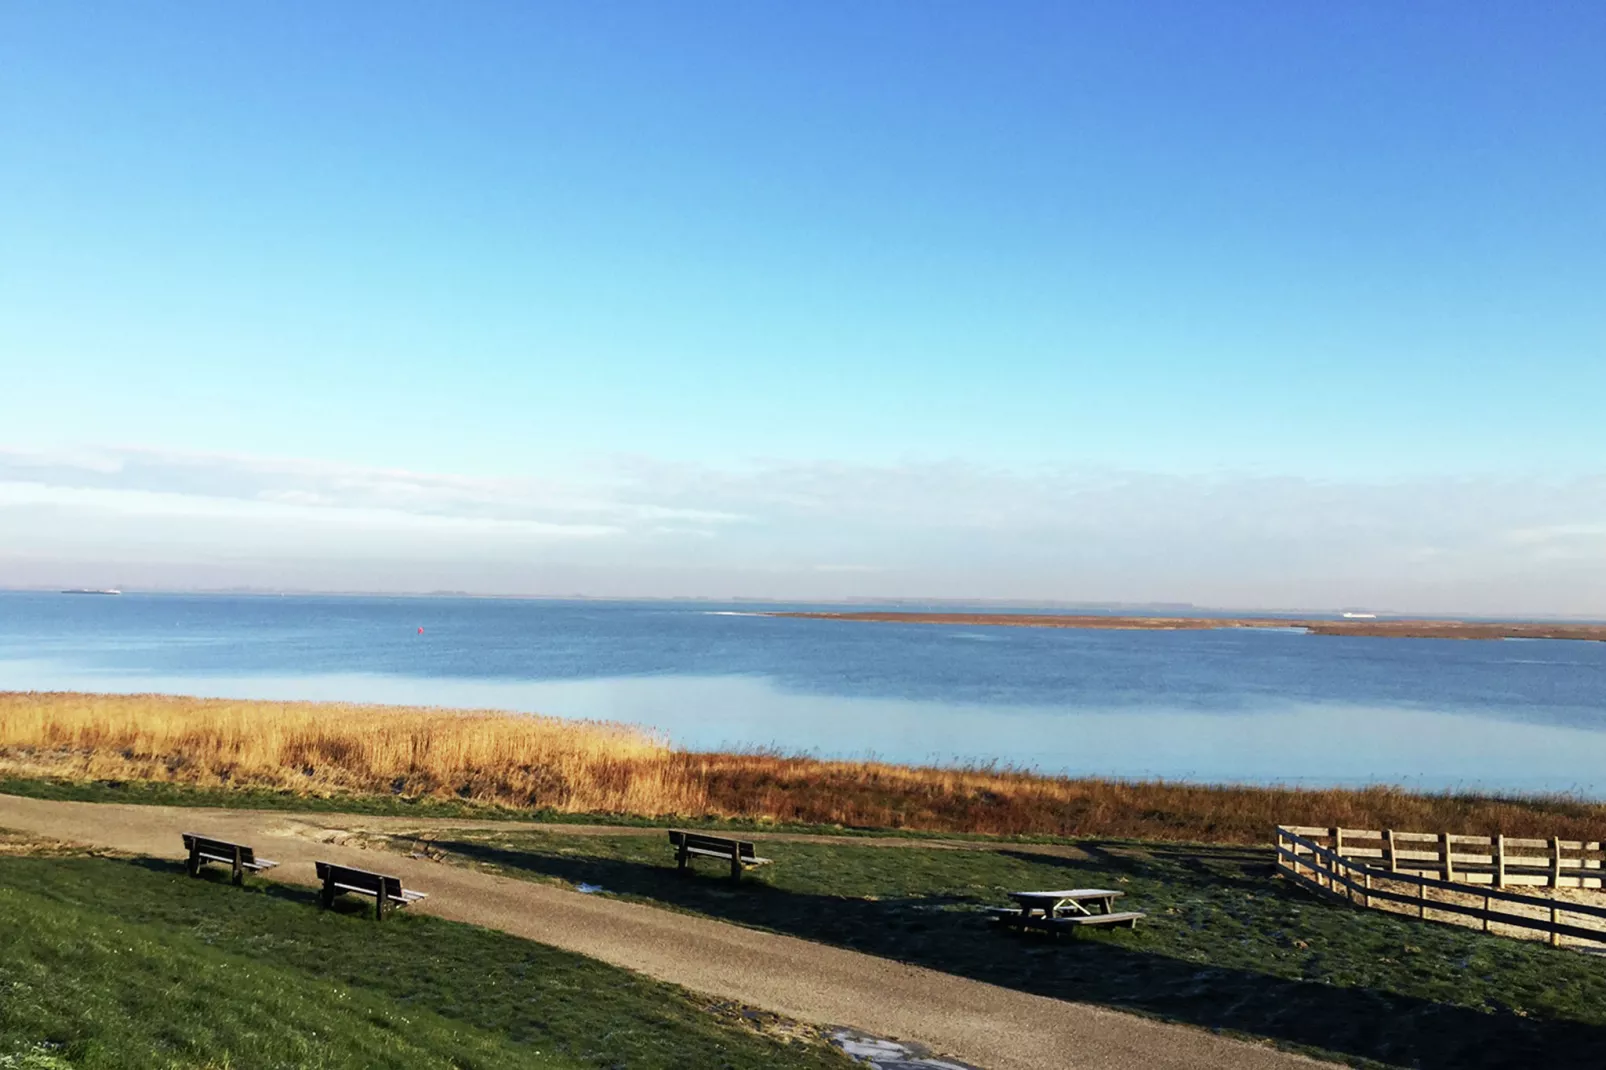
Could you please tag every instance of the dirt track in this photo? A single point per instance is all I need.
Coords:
(996, 1028)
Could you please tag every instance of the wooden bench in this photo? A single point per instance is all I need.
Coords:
(386, 890)
(739, 853)
(204, 849)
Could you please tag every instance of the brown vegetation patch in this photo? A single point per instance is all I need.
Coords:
(324, 748)
(1005, 803)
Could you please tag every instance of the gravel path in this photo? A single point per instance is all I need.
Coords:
(992, 1027)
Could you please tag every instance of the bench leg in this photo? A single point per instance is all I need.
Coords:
(239, 870)
(682, 856)
(736, 866)
(379, 907)
(194, 864)
(326, 897)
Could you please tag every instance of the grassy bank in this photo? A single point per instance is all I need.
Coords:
(341, 756)
(1225, 945)
(116, 963)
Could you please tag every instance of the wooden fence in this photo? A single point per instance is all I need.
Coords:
(1500, 861)
(1347, 866)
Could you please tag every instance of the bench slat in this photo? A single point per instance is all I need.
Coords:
(750, 860)
(1074, 920)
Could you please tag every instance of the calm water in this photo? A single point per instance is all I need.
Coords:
(1230, 705)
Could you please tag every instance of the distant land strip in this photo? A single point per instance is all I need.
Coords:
(1394, 629)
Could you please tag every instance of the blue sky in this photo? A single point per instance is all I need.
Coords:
(653, 263)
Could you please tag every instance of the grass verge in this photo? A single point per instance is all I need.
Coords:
(118, 963)
(1226, 946)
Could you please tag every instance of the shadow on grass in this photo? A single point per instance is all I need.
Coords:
(1223, 866)
(948, 933)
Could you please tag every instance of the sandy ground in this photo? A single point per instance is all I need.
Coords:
(996, 1028)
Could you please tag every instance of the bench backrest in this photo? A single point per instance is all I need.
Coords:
(373, 883)
(218, 847)
(722, 844)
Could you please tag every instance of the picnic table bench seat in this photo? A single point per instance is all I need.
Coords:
(740, 853)
(240, 857)
(1012, 916)
(386, 890)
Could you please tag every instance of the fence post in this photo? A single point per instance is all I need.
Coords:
(1500, 860)
(1388, 847)
(1444, 849)
(1366, 900)
(1555, 937)
(1485, 911)
(1555, 861)
(1421, 899)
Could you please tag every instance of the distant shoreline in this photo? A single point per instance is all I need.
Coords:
(1391, 629)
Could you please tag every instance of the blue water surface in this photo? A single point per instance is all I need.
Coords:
(1222, 705)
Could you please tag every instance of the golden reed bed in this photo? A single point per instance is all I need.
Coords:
(528, 762)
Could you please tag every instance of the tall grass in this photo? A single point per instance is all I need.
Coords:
(577, 766)
(593, 767)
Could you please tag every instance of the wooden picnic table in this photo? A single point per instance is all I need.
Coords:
(1066, 902)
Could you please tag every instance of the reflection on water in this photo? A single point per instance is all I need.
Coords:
(1271, 741)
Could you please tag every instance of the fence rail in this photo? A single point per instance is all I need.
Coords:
(1502, 861)
(1338, 870)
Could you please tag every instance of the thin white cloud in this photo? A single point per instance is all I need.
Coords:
(795, 529)
(296, 481)
(168, 506)
(1558, 533)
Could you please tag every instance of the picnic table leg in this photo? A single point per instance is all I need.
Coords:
(379, 905)
(682, 856)
(736, 863)
(194, 863)
(239, 870)
(326, 897)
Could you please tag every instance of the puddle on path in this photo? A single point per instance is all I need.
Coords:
(882, 1054)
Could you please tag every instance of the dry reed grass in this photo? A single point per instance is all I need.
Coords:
(1015, 803)
(589, 767)
(573, 766)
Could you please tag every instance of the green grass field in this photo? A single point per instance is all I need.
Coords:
(1226, 945)
(126, 963)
